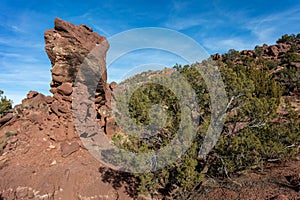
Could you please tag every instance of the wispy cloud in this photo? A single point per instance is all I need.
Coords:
(21, 57)
(252, 30)
(269, 27)
(17, 29)
(19, 43)
(219, 45)
(218, 25)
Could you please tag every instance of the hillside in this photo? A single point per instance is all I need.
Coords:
(44, 154)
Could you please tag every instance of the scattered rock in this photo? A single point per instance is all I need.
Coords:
(54, 108)
(11, 133)
(280, 197)
(32, 94)
(110, 126)
(295, 64)
(283, 47)
(3, 162)
(112, 85)
(144, 197)
(35, 101)
(6, 118)
(64, 108)
(53, 163)
(21, 192)
(35, 117)
(274, 50)
(67, 149)
(65, 89)
(294, 180)
(51, 146)
(58, 134)
(247, 52)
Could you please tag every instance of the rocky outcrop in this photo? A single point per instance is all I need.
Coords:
(67, 46)
(70, 48)
(41, 155)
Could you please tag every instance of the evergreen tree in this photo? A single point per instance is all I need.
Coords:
(5, 104)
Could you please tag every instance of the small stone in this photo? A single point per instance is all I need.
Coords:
(110, 128)
(53, 163)
(280, 197)
(21, 192)
(53, 90)
(294, 179)
(68, 149)
(63, 109)
(51, 147)
(48, 99)
(12, 140)
(30, 194)
(112, 85)
(65, 89)
(6, 118)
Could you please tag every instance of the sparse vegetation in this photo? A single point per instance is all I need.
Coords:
(5, 104)
(287, 38)
(254, 132)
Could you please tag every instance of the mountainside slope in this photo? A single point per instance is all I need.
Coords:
(43, 157)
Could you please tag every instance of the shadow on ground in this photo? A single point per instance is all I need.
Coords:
(119, 179)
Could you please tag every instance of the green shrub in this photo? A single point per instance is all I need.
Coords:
(258, 51)
(290, 57)
(253, 131)
(5, 104)
(287, 38)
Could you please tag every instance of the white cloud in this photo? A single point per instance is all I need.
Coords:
(20, 43)
(263, 29)
(219, 45)
(21, 57)
(17, 29)
(269, 27)
(101, 30)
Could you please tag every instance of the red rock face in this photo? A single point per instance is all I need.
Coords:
(68, 47)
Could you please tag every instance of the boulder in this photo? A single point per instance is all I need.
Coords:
(112, 85)
(36, 100)
(32, 94)
(65, 89)
(274, 50)
(6, 118)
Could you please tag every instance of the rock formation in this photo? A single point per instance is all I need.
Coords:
(43, 157)
(68, 48)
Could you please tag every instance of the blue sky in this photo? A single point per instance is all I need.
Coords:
(216, 25)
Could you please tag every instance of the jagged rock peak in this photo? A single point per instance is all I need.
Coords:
(67, 46)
